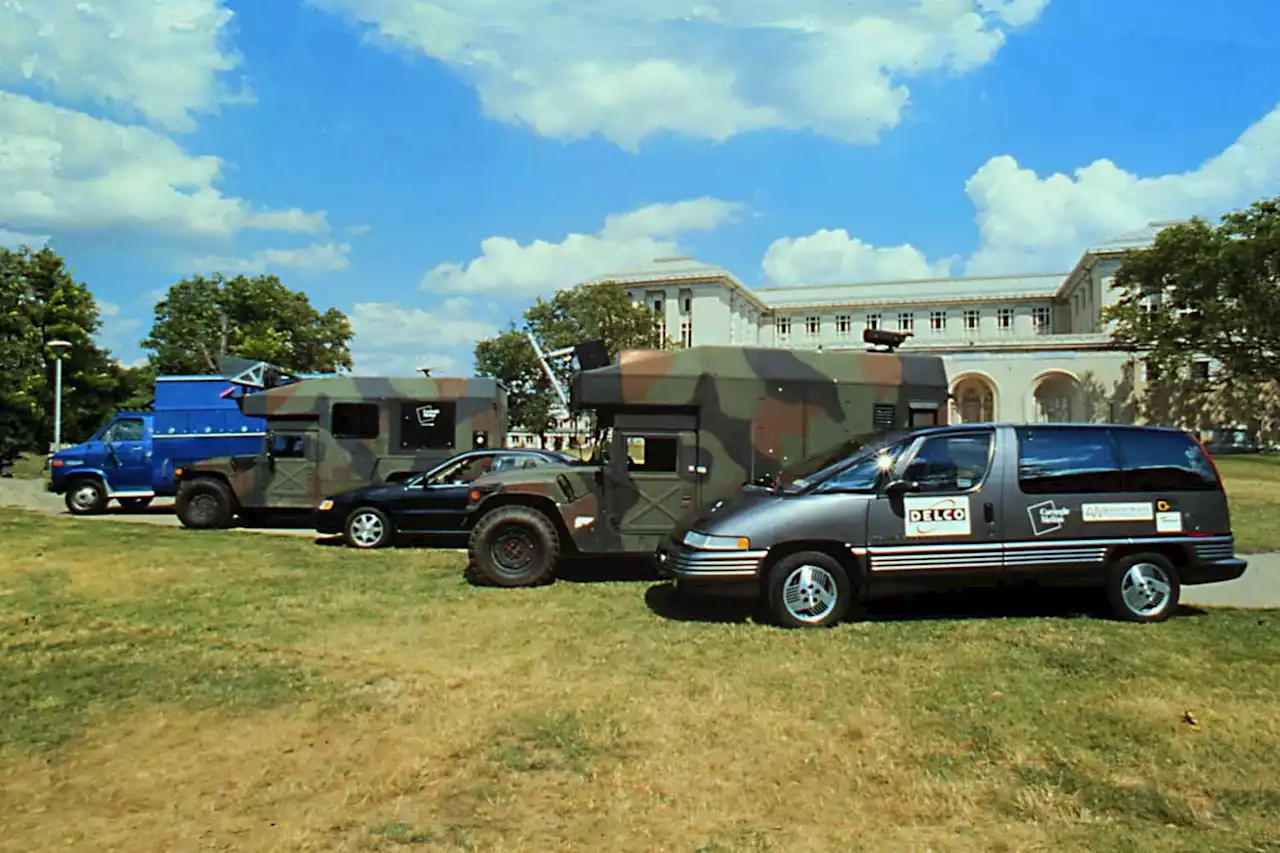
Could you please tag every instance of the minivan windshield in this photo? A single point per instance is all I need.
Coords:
(863, 448)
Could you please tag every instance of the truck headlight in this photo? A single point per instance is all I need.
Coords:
(706, 542)
(325, 505)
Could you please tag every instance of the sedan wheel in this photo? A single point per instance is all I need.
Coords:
(367, 528)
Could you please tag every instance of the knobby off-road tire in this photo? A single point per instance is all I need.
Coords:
(513, 546)
(86, 496)
(1143, 588)
(204, 504)
(808, 589)
(366, 528)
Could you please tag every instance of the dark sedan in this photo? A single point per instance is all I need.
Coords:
(428, 504)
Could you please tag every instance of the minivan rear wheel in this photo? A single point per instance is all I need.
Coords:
(1143, 588)
(808, 589)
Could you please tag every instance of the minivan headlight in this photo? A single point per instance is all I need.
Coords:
(707, 542)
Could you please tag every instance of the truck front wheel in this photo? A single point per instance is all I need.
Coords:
(204, 504)
(86, 496)
(514, 546)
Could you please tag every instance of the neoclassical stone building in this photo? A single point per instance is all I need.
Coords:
(1018, 348)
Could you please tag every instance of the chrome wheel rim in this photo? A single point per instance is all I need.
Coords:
(84, 497)
(1145, 589)
(367, 529)
(809, 594)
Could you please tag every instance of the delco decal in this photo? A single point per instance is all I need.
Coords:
(947, 516)
(427, 415)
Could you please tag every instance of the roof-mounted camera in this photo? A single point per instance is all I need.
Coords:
(883, 340)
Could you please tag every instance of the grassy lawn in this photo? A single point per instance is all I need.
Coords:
(164, 688)
(30, 467)
(1253, 489)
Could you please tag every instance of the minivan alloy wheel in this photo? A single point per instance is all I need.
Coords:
(809, 593)
(1145, 589)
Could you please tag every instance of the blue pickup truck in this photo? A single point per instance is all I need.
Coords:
(131, 459)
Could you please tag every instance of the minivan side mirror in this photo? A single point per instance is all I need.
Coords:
(898, 488)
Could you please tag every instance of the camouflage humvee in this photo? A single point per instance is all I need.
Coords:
(326, 435)
(687, 428)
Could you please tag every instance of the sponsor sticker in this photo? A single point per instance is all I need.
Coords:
(1117, 512)
(427, 415)
(947, 516)
(1169, 522)
(1047, 517)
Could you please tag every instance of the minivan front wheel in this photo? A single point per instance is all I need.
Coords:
(1143, 588)
(808, 589)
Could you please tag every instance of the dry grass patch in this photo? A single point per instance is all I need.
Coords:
(279, 695)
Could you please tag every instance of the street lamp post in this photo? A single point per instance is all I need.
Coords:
(59, 347)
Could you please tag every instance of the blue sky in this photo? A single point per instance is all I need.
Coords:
(432, 167)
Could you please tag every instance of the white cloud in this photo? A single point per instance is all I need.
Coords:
(626, 240)
(61, 169)
(1031, 224)
(358, 230)
(392, 340)
(627, 70)
(162, 61)
(318, 257)
(15, 240)
(831, 256)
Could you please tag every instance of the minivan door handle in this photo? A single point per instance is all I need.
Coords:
(989, 512)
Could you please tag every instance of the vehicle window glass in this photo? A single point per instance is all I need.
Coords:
(126, 430)
(923, 417)
(1067, 460)
(953, 462)
(652, 454)
(354, 420)
(863, 475)
(285, 445)
(1161, 461)
(427, 425)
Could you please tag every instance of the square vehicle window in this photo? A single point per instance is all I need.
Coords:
(1160, 461)
(653, 453)
(284, 445)
(427, 425)
(126, 430)
(354, 420)
(1068, 460)
(951, 463)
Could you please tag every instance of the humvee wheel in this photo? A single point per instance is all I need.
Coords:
(514, 546)
(204, 504)
(809, 589)
(367, 527)
(86, 496)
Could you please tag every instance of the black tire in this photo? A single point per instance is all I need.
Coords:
(513, 546)
(367, 520)
(86, 496)
(204, 504)
(1150, 567)
(134, 504)
(830, 579)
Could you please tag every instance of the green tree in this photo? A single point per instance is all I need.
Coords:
(1202, 290)
(586, 312)
(200, 319)
(21, 364)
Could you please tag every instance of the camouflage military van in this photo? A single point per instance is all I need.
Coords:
(328, 435)
(681, 429)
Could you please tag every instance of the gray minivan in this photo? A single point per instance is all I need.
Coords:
(1136, 510)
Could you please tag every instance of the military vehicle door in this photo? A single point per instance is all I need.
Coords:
(292, 475)
(939, 510)
(651, 480)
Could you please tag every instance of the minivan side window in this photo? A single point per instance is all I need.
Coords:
(1067, 460)
(1163, 461)
(951, 463)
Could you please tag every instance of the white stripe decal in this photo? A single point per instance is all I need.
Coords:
(970, 556)
(208, 435)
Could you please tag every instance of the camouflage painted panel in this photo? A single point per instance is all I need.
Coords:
(311, 396)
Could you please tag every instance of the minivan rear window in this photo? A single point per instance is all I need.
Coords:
(1164, 461)
(1066, 460)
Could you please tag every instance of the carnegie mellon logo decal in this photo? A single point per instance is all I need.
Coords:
(947, 516)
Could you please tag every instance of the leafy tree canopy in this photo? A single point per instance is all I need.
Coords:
(586, 312)
(1202, 290)
(201, 319)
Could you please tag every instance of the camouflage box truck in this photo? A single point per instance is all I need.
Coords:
(330, 434)
(681, 430)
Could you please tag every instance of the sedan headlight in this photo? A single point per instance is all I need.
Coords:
(707, 542)
(325, 505)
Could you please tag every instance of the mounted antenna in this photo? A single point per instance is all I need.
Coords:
(886, 340)
(253, 375)
(589, 354)
(546, 368)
